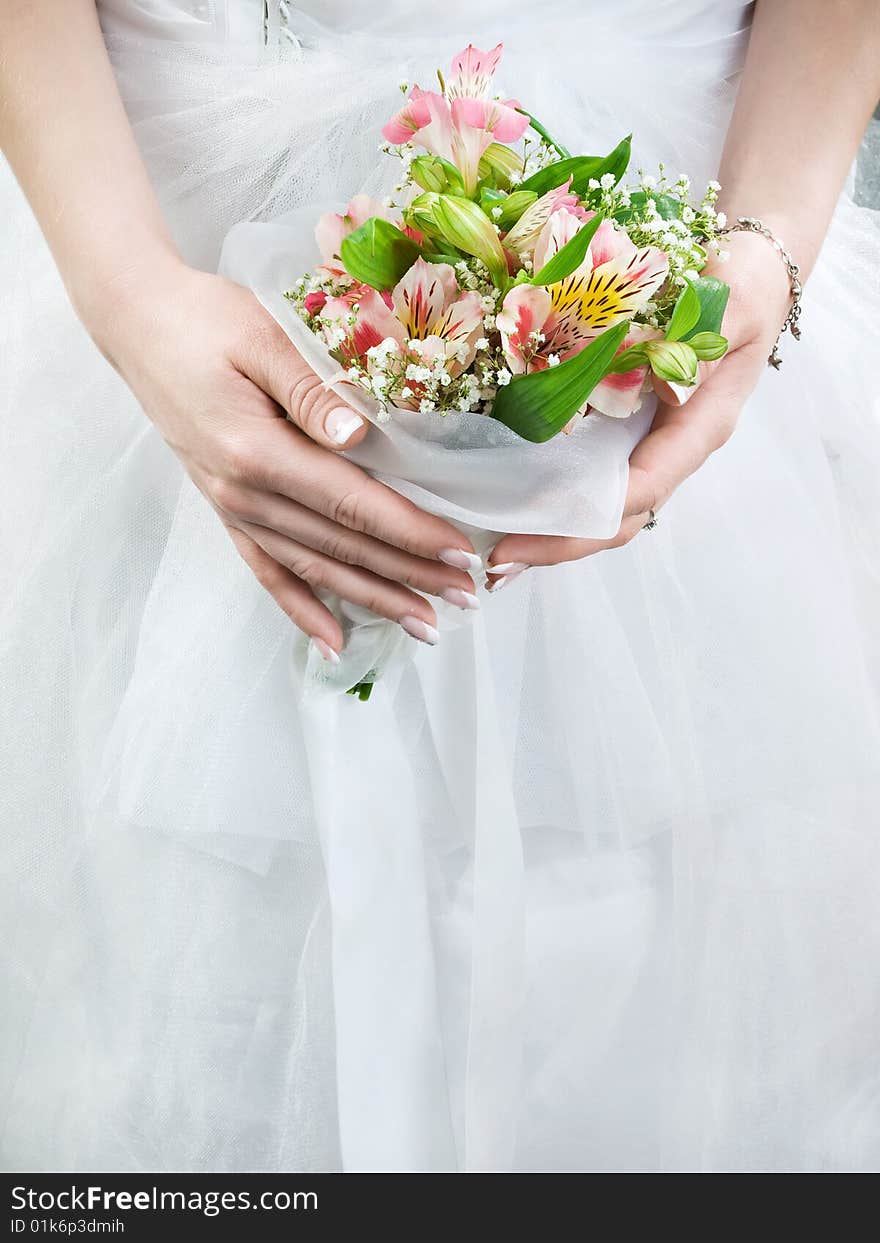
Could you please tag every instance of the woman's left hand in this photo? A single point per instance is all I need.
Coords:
(690, 423)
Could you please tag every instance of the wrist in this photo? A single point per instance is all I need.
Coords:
(117, 302)
(796, 235)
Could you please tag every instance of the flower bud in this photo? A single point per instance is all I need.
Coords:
(465, 225)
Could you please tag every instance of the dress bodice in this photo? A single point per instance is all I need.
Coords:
(252, 21)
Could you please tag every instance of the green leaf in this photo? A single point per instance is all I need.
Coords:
(708, 345)
(378, 253)
(685, 314)
(673, 361)
(548, 138)
(668, 207)
(466, 225)
(713, 295)
(581, 169)
(538, 405)
(569, 256)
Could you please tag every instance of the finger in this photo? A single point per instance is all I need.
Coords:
(516, 553)
(304, 526)
(352, 583)
(292, 596)
(290, 464)
(270, 359)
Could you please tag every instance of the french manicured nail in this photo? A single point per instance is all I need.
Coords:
(461, 560)
(340, 425)
(461, 599)
(681, 392)
(505, 579)
(507, 567)
(419, 630)
(326, 651)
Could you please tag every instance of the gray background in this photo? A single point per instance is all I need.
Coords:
(868, 167)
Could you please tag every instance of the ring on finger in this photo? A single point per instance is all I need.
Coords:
(652, 521)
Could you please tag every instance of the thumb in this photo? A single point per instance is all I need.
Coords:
(281, 371)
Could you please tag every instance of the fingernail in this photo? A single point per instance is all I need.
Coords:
(419, 630)
(681, 392)
(326, 651)
(341, 424)
(461, 560)
(461, 599)
(508, 567)
(503, 581)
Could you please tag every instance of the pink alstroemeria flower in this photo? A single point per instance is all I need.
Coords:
(374, 322)
(460, 124)
(437, 318)
(614, 281)
(332, 229)
(426, 315)
(523, 237)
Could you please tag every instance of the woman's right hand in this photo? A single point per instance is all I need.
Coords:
(217, 375)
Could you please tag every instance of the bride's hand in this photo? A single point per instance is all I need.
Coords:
(216, 373)
(690, 424)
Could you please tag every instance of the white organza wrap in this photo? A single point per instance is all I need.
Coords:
(467, 468)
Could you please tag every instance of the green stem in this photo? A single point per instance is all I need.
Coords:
(536, 125)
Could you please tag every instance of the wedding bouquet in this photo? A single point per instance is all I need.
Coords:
(504, 292)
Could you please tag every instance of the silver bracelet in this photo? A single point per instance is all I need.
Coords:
(748, 224)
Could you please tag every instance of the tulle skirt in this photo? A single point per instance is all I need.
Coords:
(592, 885)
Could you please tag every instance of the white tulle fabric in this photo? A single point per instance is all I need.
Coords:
(590, 886)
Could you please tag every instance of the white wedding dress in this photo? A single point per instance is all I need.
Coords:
(591, 886)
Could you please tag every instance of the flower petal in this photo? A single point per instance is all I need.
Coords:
(461, 326)
(586, 303)
(421, 296)
(524, 311)
(619, 396)
(413, 116)
(559, 229)
(373, 323)
(473, 72)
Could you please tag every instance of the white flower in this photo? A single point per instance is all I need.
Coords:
(607, 181)
(552, 360)
(687, 215)
(649, 182)
(721, 220)
(504, 376)
(487, 302)
(482, 343)
(714, 186)
(425, 406)
(406, 392)
(497, 211)
(593, 184)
